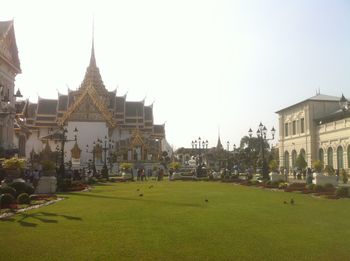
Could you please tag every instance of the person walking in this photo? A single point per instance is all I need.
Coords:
(36, 177)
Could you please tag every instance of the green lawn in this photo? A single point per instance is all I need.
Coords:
(173, 222)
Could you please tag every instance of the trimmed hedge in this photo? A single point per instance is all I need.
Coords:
(23, 198)
(342, 192)
(6, 199)
(22, 187)
(8, 190)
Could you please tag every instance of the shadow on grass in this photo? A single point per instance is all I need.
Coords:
(45, 217)
(141, 199)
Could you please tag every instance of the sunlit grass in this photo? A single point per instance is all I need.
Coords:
(172, 221)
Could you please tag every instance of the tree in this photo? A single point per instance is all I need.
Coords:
(175, 165)
(300, 162)
(164, 159)
(273, 165)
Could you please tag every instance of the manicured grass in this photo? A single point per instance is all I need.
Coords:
(173, 222)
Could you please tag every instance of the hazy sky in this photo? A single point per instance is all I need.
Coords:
(205, 63)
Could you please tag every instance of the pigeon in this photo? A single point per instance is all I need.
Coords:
(292, 201)
(150, 186)
(285, 202)
(141, 195)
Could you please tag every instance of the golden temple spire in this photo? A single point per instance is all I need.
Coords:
(92, 58)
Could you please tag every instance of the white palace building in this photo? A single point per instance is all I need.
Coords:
(319, 129)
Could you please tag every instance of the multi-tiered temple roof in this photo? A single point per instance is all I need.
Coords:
(90, 102)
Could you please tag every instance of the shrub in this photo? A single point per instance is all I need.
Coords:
(14, 163)
(23, 198)
(310, 187)
(125, 166)
(296, 185)
(344, 176)
(342, 192)
(8, 190)
(92, 180)
(6, 199)
(329, 170)
(300, 162)
(283, 185)
(317, 165)
(175, 165)
(319, 188)
(48, 167)
(268, 182)
(22, 187)
(273, 165)
(275, 184)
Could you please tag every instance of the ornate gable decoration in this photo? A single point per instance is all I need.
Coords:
(90, 92)
(8, 46)
(76, 151)
(136, 139)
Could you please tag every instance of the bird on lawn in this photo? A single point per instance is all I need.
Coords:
(141, 195)
(285, 202)
(138, 189)
(292, 201)
(206, 200)
(150, 186)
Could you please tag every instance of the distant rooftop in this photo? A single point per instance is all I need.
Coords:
(317, 97)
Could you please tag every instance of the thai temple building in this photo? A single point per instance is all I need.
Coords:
(97, 124)
(9, 68)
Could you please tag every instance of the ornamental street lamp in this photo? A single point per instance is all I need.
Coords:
(108, 144)
(63, 139)
(57, 155)
(200, 146)
(93, 151)
(261, 135)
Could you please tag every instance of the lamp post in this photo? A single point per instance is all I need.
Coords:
(261, 135)
(57, 155)
(93, 151)
(199, 146)
(63, 139)
(108, 144)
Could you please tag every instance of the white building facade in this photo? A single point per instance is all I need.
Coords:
(317, 128)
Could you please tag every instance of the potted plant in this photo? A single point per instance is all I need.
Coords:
(14, 167)
(274, 176)
(344, 176)
(47, 182)
(300, 164)
(48, 168)
(126, 171)
(317, 165)
(320, 179)
(329, 170)
(175, 165)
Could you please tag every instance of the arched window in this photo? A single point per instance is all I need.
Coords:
(330, 157)
(294, 157)
(321, 155)
(340, 162)
(286, 160)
